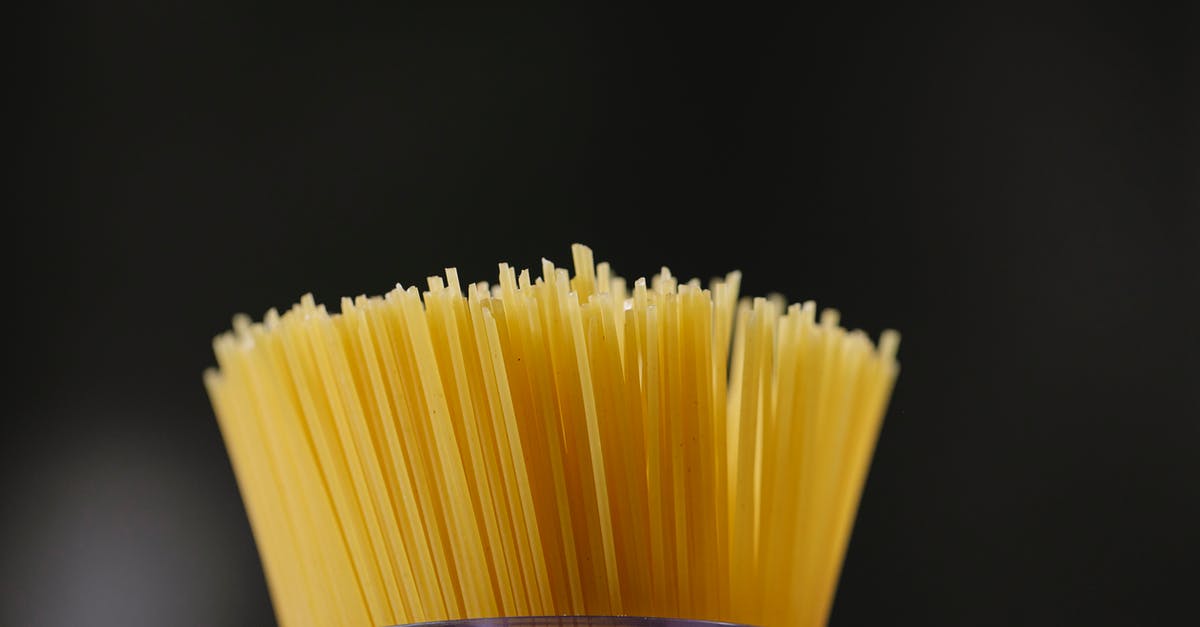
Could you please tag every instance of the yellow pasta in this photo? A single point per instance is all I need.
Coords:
(551, 446)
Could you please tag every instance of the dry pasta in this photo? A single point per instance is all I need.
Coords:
(550, 446)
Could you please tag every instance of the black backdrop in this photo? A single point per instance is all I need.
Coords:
(1016, 191)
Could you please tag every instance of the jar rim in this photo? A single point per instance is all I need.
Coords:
(575, 621)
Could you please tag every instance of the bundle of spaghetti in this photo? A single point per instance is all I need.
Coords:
(553, 446)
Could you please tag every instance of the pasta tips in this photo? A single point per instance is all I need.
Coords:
(550, 446)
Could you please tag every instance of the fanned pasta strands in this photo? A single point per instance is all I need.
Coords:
(559, 445)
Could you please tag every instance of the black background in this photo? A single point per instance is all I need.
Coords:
(1015, 190)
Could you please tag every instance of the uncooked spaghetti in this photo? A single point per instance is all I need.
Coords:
(550, 446)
